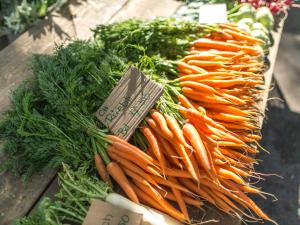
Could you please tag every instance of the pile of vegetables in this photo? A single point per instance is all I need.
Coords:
(196, 145)
(276, 6)
(259, 22)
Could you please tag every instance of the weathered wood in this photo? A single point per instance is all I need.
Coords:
(129, 103)
(269, 73)
(146, 9)
(94, 12)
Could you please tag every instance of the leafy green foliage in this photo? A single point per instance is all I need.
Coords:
(51, 115)
(168, 38)
(77, 188)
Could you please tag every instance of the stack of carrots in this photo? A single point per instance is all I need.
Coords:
(210, 155)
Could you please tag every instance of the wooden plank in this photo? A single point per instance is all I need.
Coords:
(269, 73)
(146, 9)
(129, 103)
(93, 13)
(17, 199)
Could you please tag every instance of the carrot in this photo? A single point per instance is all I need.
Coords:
(133, 153)
(186, 160)
(226, 174)
(225, 109)
(172, 172)
(240, 126)
(196, 189)
(131, 166)
(202, 97)
(200, 118)
(250, 203)
(169, 151)
(228, 117)
(243, 37)
(100, 166)
(198, 86)
(185, 102)
(188, 200)
(200, 56)
(201, 153)
(117, 173)
(171, 184)
(147, 199)
(155, 146)
(219, 45)
(237, 155)
(147, 188)
(195, 165)
(193, 69)
(230, 83)
(206, 63)
(175, 129)
(197, 77)
(179, 199)
(162, 123)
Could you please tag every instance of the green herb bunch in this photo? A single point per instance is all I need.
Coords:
(51, 113)
(76, 190)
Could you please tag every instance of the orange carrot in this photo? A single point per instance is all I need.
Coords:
(155, 146)
(161, 122)
(196, 189)
(185, 102)
(147, 199)
(169, 209)
(219, 45)
(201, 153)
(117, 173)
(244, 37)
(188, 200)
(170, 152)
(198, 86)
(193, 69)
(131, 166)
(186, 160)
(229, 175)
(100, 166)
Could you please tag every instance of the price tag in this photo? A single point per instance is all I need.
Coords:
(213, 13)
(129, 103)
(102, 213)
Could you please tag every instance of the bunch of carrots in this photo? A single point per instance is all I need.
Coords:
(210, 155)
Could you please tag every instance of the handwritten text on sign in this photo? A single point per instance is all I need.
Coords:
(129, 103)
(102, 213)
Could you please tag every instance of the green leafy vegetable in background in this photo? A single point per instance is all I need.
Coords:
(20, 14)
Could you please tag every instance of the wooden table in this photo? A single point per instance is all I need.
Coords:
(75, 20)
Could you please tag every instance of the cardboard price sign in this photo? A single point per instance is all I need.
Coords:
(102, 213)
(129, 103)
(213, 13)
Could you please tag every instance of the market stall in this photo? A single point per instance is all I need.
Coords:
(19, 199)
